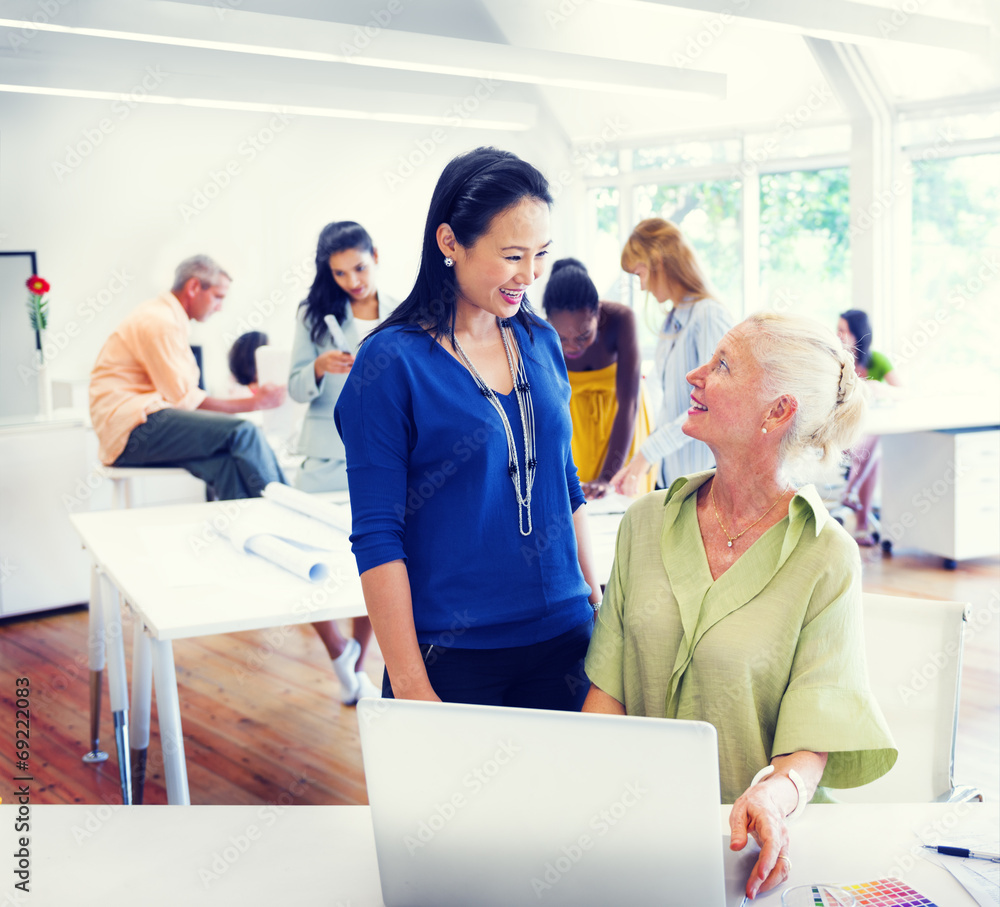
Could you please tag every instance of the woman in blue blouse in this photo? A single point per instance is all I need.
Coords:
(468, 527)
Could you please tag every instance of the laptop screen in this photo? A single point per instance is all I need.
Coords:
(476, 805)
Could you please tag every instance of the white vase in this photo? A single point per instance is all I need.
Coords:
(44, 389)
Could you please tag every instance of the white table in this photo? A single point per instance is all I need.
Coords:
(44, 468)
(325, 855)
(183, 580)
(910, 413)
(940, 474)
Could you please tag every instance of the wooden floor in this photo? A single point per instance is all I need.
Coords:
(262, 723)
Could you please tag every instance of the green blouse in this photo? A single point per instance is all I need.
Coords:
(771, 653)
(878, 366)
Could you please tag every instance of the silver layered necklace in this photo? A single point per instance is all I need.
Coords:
(522, 390)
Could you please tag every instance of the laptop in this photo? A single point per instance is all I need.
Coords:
(481, 806)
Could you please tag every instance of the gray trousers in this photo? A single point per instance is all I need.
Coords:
(226, 452)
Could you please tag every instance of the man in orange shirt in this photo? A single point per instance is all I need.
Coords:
(147, 408)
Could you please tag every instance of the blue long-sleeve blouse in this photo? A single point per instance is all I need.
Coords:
(427, 468)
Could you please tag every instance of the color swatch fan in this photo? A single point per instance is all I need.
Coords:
(887, 893)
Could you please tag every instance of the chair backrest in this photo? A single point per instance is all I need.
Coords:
(914, 651)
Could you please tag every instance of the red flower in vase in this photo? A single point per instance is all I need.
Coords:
(38, 285)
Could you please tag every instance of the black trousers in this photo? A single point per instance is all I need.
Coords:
(545, 675)
(228, 453)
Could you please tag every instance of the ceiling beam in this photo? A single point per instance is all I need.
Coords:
(847, 21)
(173, 88)
(374, 45)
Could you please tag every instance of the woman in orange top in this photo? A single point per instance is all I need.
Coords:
(601, 346)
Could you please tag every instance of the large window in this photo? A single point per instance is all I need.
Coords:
(804, 249)
(605, 242)
(708, 213)
(776, 214)
(953, 329)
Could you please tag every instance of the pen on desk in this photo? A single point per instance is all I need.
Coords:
(964, 853)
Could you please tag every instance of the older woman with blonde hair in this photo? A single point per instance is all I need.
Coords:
(667, 268)
(735, 599)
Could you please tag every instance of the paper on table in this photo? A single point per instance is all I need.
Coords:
(979, 877)
(610, 503)
(336, 515)
(291, 540)
(309, 563)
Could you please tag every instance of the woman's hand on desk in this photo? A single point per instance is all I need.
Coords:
(756, 813)
(761, 810)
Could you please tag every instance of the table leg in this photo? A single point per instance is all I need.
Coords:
(142, 693)
(96, 658)
(116, 683)
(169, 712)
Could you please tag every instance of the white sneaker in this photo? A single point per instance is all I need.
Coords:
(367, 689)
(343, 666)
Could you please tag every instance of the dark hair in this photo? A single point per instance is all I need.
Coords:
(570, 288)
(325, 296)
(242, 362)
(472, 190)
(859, 325)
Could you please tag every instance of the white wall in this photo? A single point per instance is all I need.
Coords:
(111, 218)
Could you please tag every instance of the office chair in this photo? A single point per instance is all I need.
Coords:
(914, 649)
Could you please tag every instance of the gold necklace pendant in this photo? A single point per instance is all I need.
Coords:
(725, 532)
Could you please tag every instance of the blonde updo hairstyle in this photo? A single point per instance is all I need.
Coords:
(803, 359)
(660, 246)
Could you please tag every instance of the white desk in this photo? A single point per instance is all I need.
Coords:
(325, 855)
(183, 580)
(907, 414)
(44, 464)
(940, 474)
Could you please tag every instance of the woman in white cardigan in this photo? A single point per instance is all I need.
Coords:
(343, 305)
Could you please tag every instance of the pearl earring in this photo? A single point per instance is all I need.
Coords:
(763, 431)
(449, 262)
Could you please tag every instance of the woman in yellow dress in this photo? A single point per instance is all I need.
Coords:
(599, 340)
